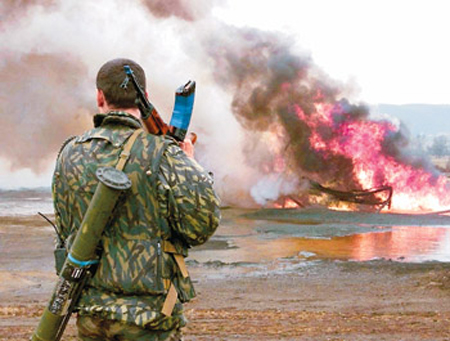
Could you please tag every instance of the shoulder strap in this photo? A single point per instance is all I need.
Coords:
(125, 154)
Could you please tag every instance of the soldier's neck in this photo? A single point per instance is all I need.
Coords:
(132, 111)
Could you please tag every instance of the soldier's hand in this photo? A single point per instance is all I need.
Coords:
(188, 147)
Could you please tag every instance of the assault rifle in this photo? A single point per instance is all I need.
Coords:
(182, 112)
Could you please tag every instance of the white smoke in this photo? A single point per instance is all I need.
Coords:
(271, 186)
(57, 47)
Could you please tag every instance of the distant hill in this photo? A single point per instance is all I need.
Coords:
(428, 119)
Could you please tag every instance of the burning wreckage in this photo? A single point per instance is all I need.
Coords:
(306, 138)
(344, 157)
(350, 162)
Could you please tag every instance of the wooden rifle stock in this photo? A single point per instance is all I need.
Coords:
(149, 116)
(155, 124)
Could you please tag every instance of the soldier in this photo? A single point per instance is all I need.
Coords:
(141, 280)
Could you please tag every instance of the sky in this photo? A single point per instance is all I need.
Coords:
(393, 52)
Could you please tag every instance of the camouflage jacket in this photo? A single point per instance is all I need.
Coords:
(171, 202)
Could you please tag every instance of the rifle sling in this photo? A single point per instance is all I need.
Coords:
(125, 154)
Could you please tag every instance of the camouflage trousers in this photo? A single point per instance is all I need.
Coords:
(95, 329)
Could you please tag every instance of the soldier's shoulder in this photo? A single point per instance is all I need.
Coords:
(65, 144)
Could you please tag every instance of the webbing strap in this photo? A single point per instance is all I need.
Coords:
(179, 259)
(172, 294)
(181, 264)
(125, 154)
(169, 247)
(170, 301)
(166, 283)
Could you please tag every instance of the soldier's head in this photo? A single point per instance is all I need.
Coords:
(110, 77)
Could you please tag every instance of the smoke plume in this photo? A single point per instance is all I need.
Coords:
(265, 113)
(270, 82)
(300, 127)
(10, 9)
(44, 102)
(181, 9)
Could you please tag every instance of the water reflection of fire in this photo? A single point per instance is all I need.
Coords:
(408, 243)
(401, 243)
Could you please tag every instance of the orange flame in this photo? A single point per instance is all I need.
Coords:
(361, 141)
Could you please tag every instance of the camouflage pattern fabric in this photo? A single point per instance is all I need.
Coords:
(94, 329)
(171, 199)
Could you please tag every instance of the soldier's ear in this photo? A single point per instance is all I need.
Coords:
(101, 102)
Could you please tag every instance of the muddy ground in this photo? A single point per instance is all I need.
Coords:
(312, 299)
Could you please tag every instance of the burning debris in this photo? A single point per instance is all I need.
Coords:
(379, 197)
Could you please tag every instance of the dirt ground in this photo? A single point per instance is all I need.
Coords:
(318, 300)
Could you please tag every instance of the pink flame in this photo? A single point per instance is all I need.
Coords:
(361, 141)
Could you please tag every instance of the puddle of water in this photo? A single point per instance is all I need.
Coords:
(270, 242)
(406, 244)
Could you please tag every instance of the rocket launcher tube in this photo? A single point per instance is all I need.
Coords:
(75, 272)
